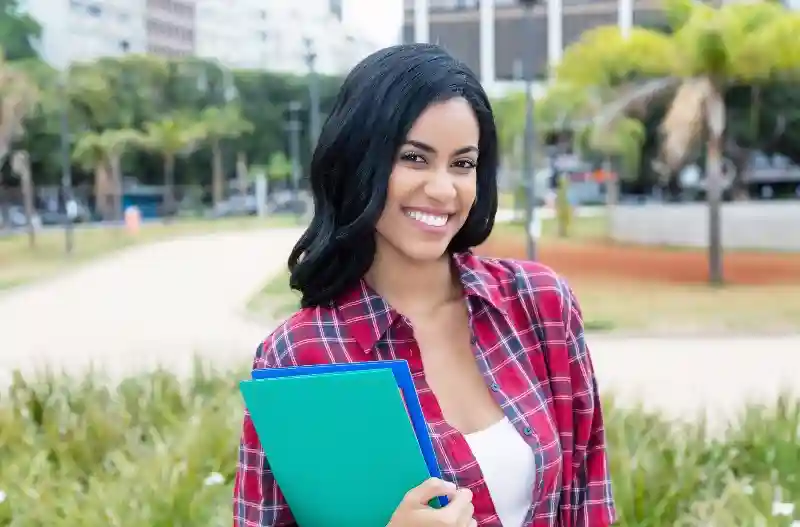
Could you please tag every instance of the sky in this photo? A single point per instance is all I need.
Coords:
(377, 20)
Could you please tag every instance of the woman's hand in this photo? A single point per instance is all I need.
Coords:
(414, 510)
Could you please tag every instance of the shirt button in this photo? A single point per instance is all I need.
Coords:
(527, 431)
(495, 387)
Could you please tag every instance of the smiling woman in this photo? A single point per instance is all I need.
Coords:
(404, 185)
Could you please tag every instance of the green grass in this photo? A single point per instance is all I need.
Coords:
(159, 452)
(275, 301)
(19, 264)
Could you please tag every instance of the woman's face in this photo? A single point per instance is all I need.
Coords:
(433, 183)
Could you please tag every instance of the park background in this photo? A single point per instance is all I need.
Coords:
(122, 336)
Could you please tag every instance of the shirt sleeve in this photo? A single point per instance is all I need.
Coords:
(257, 500)
(591, 500)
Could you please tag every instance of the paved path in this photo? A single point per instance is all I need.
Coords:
(158, 303)
(682, 375)
(166, 302)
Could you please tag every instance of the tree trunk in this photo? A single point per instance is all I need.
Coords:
(20, 164)
(241, 173)
(169, 185)
(715, 124)
(217, 173)
(116, 186)
(612, 197)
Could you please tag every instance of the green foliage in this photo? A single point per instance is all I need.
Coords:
(563, 207)
(128, 92)
(279, 167)
(18, 31)
(162, 452)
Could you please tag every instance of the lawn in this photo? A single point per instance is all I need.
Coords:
(19, 264)
(639, 290)
(663, 290)
(158, 451)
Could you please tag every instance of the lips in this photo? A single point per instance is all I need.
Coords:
(430, 219)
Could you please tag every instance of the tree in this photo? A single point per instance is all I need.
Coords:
(710, 50)
(102, 153)
(19, 32)
(171, 137)
(18, 98)
(219, 124)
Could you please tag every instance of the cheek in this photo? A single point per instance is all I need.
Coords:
(467, 193)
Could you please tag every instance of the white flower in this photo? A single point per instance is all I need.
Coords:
(782, 509)
(2, 496)
(215, 478)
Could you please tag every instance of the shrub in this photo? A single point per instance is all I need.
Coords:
(157, 451)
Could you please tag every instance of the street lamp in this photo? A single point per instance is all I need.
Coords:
(528, 171)
(293, 128)
(66, 166)
(313, 92)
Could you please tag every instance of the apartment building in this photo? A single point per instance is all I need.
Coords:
(249, 34)
(81, 30)
(277, 36)
(170, 27)
(516, 41)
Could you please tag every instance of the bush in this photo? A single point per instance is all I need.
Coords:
(156, 451)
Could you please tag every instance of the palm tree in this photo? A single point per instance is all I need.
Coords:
(171, 137)
(219, 124)
(19, 96)
(102, 153)
(710, 49)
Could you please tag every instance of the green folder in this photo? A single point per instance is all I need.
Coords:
(340, 445)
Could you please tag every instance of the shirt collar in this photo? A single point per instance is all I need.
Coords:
(368, 316)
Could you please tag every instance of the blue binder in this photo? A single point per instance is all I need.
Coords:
(402, 375)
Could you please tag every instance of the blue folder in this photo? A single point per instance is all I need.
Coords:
(405, 382)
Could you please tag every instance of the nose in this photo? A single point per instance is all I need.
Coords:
(440, 186)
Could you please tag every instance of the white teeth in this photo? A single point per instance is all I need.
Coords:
(428, 219)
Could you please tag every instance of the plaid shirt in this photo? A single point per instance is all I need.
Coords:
(528, 338)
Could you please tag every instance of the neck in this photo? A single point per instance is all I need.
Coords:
(410, 286)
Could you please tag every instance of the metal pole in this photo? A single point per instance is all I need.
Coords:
(294, 147)
(313, 94)
(66, 165)
(528, 169)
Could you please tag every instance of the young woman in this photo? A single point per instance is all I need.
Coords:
(404, 184)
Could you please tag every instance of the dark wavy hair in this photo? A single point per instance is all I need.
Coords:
(376, 107)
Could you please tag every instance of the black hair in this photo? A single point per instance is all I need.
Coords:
(376, 107)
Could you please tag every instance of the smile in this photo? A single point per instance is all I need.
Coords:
(432, 220)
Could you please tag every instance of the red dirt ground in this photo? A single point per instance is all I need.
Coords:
(647, 264)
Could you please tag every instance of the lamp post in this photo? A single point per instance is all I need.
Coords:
(528, 168)
(313, 92)
(66, 165)
(293, 128)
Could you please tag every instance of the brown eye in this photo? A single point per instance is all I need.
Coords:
(466, 164)
(412, 157)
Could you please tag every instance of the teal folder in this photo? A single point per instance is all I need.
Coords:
(341, 445)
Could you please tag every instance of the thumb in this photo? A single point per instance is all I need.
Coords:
(430, 489)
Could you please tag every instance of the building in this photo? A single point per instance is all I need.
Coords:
(81, 30)
(169, 27)
(247, 34)
(277, 36)
(514, 44)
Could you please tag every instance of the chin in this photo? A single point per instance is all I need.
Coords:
(424, 252)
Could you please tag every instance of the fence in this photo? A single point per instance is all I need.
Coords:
(745, 225)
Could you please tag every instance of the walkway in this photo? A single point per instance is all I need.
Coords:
(166, 302)
(156, 304)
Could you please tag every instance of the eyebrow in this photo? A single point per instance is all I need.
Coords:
(428, 148)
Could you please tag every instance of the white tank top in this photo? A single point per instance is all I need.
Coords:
(509, 468)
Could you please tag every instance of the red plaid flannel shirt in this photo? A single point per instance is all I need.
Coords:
(528, 337)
